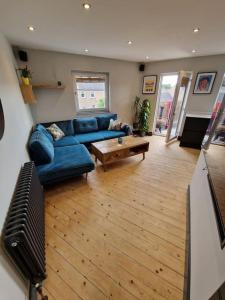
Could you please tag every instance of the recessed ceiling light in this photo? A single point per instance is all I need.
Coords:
(31, 28)
(86, 50)
(193, 51)
(147, 57)
(86, 6)
(196, 30)
(129, 42)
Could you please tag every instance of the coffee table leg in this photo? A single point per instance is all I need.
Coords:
(104, 167)
(96, 159)
(143, 155)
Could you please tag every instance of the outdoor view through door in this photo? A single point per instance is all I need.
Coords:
(91, 91)
(165, 98)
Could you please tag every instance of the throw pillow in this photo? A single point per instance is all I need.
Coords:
(114, 125)
(56, 132)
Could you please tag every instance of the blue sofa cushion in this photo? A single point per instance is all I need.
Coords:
(90, 137)
(42, 129)
(66, 141)
(103, 120)
(111, 134)
(68, 161)
(85, 125)
(41, 149)
(65, 126)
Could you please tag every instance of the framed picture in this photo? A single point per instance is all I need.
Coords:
(149, 84)
(204, 82)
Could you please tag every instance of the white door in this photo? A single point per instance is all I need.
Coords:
(178, 106)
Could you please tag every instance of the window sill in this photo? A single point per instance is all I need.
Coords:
(92, 113)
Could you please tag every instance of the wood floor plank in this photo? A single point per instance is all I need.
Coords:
(58, 287)
(109, 260)
(76, 281)
(92, 273)
(121, 234)
(101, 225)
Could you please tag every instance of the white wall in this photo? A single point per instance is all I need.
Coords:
(13, 154)
(125, 82)
(199, 104)
(49, 67)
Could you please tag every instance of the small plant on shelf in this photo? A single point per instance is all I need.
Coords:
(144, 117)
(25, 74)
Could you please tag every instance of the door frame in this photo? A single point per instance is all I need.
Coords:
(214, 125)
(182, 74)
(217, 118)
(158, 99)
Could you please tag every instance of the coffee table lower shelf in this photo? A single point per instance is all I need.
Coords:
(120, 153)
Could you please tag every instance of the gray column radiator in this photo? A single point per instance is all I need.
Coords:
(23, 232)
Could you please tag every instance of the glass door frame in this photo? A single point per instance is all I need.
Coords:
(158, 99)
(214, 125)
(182, 74)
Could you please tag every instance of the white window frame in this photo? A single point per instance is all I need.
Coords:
(107, 92)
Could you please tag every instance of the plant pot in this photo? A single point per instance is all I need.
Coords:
(142, 133)
(135, 125)
(25, 80)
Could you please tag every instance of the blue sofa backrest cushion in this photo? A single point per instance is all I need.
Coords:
(103, 120)
(41, 149)
(65, 126)
(85, 125)
(42, 129)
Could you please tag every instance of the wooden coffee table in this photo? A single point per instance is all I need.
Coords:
(110, 151)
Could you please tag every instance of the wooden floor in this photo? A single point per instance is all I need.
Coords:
(121, 234)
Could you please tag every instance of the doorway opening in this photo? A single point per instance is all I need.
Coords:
(166, 93)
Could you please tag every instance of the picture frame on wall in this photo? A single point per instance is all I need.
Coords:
(149, 84)
(204, 82)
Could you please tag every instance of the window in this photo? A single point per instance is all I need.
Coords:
(82, 94)
(91, 91)
(92, 95)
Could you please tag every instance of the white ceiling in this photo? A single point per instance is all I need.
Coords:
(160, 29)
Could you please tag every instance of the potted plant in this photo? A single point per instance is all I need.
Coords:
(25, 75)
(137, 106)
(144, 116)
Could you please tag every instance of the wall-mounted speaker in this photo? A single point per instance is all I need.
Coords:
(23, 55)
(141, 67)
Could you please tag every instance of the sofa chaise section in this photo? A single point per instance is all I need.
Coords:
(69, 161)
(58, 160)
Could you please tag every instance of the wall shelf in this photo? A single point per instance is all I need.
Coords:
(48, 86)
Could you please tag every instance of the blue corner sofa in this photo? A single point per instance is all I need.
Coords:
(69, 156)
